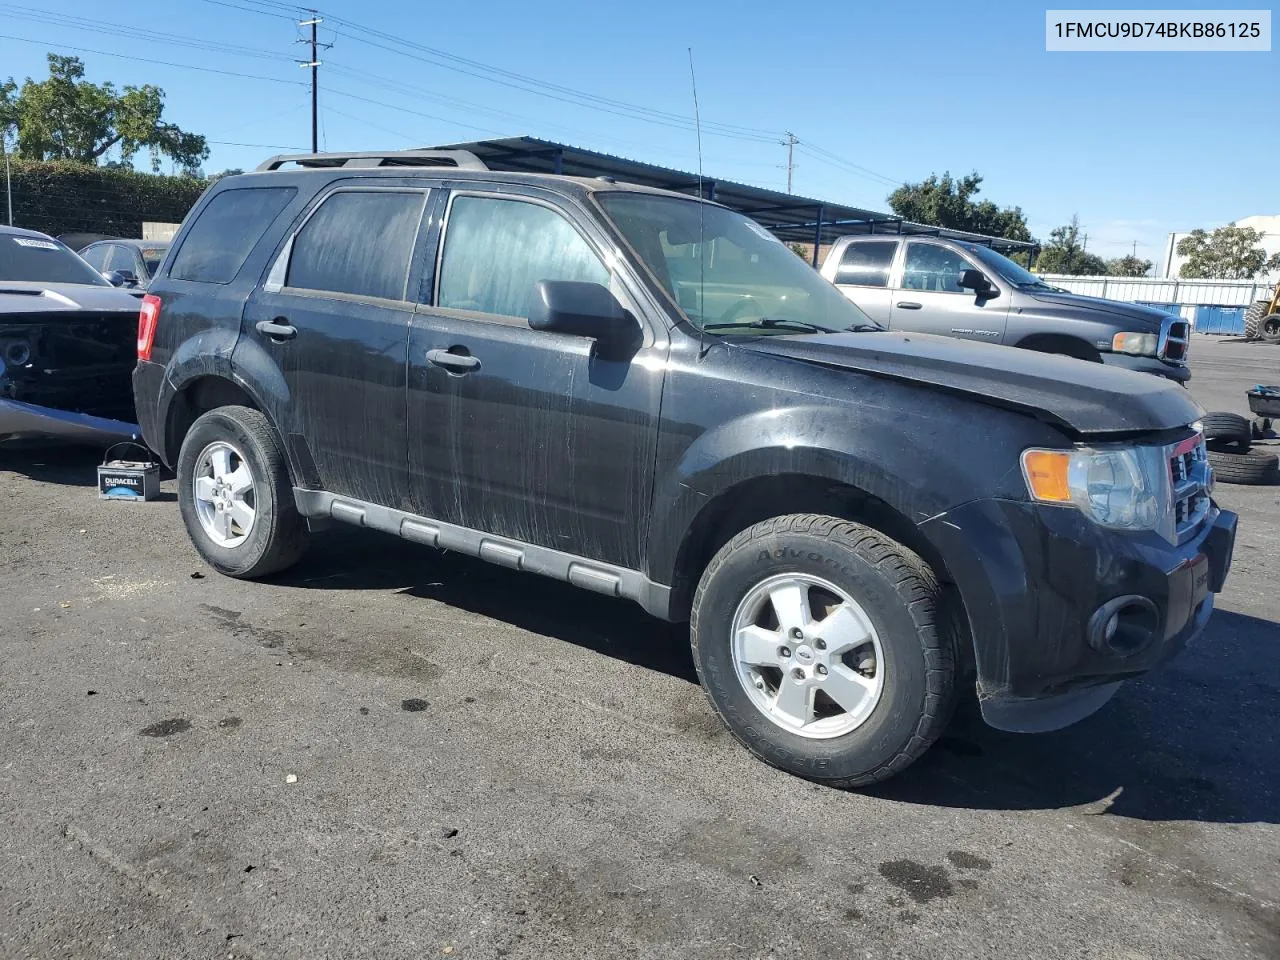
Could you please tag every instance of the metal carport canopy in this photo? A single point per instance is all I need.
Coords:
(789, 217)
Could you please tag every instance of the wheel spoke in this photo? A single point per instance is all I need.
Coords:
(848, 688)
(842, 630)
(791, 605)
(204, 488)
(242, 514)
(240, 479)
(223, 522)
(795, 700)
(220, 461)
(758, 646)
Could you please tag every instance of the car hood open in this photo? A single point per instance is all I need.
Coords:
(20, 296)
(1085, 398)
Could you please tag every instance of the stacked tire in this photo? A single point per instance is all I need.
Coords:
(1229, 439)
(1259, 325)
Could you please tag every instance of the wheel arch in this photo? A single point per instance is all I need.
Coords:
(1061, 343)
(761, 498)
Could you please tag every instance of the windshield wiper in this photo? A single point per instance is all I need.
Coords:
(770, 323)
(864, 328)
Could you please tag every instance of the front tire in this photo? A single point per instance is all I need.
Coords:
(235, 494)
(825, 648)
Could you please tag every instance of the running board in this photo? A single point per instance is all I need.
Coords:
(514, 554)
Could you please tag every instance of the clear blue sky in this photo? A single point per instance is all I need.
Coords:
(1137, 144)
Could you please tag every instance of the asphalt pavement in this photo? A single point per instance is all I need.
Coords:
(389, 752)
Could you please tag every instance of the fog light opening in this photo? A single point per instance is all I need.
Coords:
(1124, 626)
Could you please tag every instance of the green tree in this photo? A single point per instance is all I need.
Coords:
(1065, 253)
(1229, 253)
(800, 250)
(947, 202)
(1129, 266)
(68, 118)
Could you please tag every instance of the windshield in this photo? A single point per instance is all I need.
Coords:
(152, 257)
(728, 273)
(1006, 268)
(41, 260)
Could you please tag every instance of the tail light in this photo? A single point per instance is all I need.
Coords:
(148, 317)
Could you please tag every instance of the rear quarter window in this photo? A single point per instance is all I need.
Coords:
(226, 231)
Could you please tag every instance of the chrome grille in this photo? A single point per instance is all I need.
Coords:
(1192, 482)
(1175, 340)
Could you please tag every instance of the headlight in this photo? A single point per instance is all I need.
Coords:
(1136, 344)
(1123, 488)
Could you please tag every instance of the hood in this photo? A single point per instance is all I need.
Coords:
(1075, 306)
(1082, 397)
(18, 296)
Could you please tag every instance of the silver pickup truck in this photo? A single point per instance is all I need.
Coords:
(961, 289)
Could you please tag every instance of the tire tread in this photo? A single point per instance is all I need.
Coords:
(917, 586)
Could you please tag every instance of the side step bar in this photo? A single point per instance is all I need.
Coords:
(514, 554)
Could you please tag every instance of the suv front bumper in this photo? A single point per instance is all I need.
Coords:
(1038, 583)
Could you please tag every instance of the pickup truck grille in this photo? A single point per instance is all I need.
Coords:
(1191, 477)
(1175, 338)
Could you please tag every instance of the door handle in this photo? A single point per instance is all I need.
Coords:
(908, 305)
(455, 362)
(277, 330)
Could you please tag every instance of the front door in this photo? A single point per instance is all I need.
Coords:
(334, 319)
(929, 298)
(546, 441)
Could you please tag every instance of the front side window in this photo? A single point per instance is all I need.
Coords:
(226, 231)
(43, 260)
(122, 258)
(725, 272)
(96, 256)
(497, 250)
(359, 242)
(931, 267)
(866, 263)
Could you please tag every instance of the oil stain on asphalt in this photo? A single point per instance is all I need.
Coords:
(166, 728)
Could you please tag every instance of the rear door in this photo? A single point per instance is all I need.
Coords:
(929, 298)
(334, 316)
(862, 275)
(543, 440)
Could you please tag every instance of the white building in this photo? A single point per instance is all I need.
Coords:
(1269, 227)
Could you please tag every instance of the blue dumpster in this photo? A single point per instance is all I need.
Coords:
(1223, 321)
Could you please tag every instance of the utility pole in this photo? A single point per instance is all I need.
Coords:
(313, 63)
(789, 143)
(8, 180)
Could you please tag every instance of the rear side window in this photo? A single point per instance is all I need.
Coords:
(225, 233)
(495, 251)
(359, 242)
(866, 263)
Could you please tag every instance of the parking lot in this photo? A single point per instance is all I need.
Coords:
(389, 752)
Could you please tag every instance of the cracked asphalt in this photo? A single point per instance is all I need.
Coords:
(389, 752)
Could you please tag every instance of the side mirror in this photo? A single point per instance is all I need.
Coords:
(122, 278)
(584, 310)
(976, 281)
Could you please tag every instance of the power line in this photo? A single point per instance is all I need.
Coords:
(164, 63)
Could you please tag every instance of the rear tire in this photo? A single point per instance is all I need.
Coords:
(1244, 468)
(236, 496)
(886, 634)
(1270, 328)
(1227, 431)
(1253, 318)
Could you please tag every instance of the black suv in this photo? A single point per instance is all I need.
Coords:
(649, 396)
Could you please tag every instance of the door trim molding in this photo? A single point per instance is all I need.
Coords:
(582, 572)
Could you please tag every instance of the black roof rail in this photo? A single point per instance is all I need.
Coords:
(457, 159)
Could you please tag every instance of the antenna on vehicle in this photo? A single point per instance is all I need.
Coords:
(702, 224)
